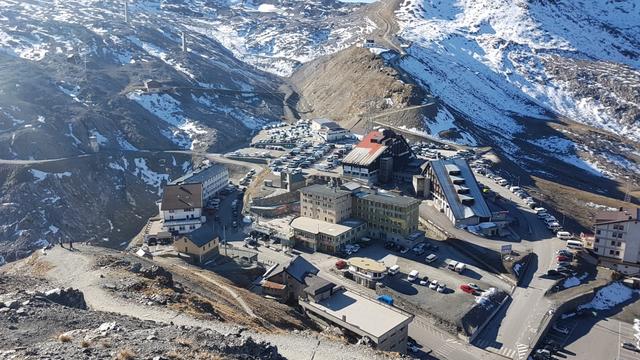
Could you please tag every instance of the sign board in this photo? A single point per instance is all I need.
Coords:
(505, 249)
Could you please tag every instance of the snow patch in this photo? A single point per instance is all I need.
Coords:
(149, 176)
(41, 175)
(609, 297)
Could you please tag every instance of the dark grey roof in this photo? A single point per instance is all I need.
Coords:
(317, 285)
(176, 197)
(200, 174)
(457, 170)
(324, 190)
(299, 268)
(388, 198)
(204, 235)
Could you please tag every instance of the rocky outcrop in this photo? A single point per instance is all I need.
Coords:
(68, 297)
(54, 325)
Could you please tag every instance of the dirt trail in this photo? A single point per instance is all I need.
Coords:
(233, 294)
(75, 269)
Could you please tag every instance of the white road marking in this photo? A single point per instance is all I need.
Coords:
(619, 342)
(522, 351)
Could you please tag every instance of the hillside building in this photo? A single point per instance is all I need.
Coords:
(325, 203)
(617, 239)
(181, 208)
(212, 177)
(389, 217)
(329, 130)
(289, 281)
(358, 315)
(377, 156)
(454, 190)
(201, 245)
(318, 235)
(366, 272)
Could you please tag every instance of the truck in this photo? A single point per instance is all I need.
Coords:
(460, 267)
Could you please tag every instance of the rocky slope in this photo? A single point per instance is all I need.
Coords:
(93, 302)
(533, 70)
(40, 325)
(76, 69)
(353, 82)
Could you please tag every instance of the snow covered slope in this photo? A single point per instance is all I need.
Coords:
(496, 60)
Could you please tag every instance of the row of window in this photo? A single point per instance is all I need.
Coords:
(611, 252)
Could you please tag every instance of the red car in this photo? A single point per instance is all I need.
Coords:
(468, 289)
(341, 264)
(563, 258)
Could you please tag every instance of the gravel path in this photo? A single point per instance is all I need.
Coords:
(74, 269)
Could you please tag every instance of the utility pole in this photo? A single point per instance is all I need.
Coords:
(627, 195)
(126, 11)
(184, 42)
(224, 238)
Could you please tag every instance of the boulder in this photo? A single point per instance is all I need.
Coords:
(135, 267)
(67, 297)
(164, 277)
(12, 304)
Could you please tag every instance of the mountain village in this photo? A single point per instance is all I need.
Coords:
(368, 232)
(319, 180)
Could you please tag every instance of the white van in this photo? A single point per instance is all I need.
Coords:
(564, 235)
(503, 182)
(513, 189)
(460, 267)
(451, 264)
(394, 270)
(413, 275)
(574, 244)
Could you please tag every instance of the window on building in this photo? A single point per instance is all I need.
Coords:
(620, 227)
(610, 252)
(618, 253)
(619, 243)
(597, 232)
(620, 235)
(595, 249)
(613, 243)
(597, 240)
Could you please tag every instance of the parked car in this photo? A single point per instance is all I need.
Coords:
(474, 287)
(413, 275)
(433, 285)
(564, 252)
(467, 289)
(441, 288)
(341, 264)
(562, 258)
(560, 329)
(553, 272)
(565, 264)
(431, 258)
(394, 270)
(424, 281)
(630, 346)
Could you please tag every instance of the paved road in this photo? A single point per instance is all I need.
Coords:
(511, 331)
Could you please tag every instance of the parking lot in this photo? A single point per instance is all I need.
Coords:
(593, 338)
(449, 306)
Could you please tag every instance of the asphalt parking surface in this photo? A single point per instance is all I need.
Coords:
(593, 338)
